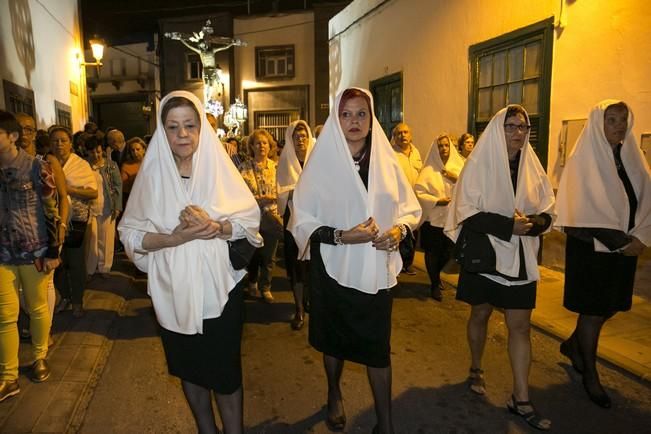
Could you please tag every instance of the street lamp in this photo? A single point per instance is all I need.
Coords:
(97, 47)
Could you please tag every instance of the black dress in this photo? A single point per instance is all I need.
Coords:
(601, 283)
(346, 323)
(475, 289)
(212, 359)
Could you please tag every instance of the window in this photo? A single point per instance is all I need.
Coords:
(64, 114)
(18, 99)
(514, 69)
(387, 101)
(274, 62)
(276, 122)
(194, 67)
(118, 67)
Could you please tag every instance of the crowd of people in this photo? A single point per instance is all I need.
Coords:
(203, 217)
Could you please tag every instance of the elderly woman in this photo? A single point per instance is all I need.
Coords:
(187, 201)
(105, 210)
(260, 176)
(81, 185)
(352, 207)
(604, 207)
(502, 202)
(434, 188)
(466, 144)
(298, 144)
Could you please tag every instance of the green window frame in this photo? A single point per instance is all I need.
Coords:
(514, 68)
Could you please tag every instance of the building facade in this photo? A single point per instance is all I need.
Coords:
(41, 48)
(449, 66)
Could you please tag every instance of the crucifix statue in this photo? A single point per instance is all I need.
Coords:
(205, 44)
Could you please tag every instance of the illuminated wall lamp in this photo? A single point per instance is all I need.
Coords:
(97, 47)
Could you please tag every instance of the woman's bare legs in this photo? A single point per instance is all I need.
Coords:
(477, 329)
(518, 322)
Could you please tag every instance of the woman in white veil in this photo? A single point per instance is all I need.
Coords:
(502, 202)
(604, 207)
(298, 145)
(434, 188)
(352, 207)
(186, 202)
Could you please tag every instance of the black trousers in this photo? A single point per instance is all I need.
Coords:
(438, 250)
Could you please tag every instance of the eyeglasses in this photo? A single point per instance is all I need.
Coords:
(511, 128)
(29, 130)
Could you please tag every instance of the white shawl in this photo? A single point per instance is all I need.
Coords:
(431, 185)
(485, 186)
(78, 172)
(289, 169)
(591, 194)
(330, 192)
(180, 277)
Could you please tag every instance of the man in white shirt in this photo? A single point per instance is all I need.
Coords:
(411, 164)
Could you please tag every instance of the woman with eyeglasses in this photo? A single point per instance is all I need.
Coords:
(502, 202)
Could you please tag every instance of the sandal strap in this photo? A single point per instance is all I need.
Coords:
(476, 371)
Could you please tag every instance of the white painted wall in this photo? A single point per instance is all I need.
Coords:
(294, 28)
(48, 29)
(603, 51)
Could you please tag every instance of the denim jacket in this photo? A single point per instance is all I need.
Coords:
(112, 185)
(29, 214)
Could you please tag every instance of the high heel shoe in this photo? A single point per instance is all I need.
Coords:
(297, 322)
(601, 399)
(336, 423)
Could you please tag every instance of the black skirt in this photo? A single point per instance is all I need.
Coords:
(212, 359)
(346, 323)
(476, 289)
(597, 283)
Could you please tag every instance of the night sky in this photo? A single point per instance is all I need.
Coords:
(129, 21)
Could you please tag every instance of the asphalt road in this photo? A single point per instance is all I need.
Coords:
(284, 383)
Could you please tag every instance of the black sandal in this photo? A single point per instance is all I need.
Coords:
(531, 417)
(476, 381)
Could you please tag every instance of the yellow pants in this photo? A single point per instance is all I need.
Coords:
(34, 286)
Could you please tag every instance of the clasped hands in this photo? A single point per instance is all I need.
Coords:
(521, 223)
(369, 231)
(196, 224)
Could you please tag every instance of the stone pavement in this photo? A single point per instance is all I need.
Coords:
(82, 347)
(625, 339)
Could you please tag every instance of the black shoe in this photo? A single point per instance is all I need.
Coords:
(8, 389)
(40, 371)
(409, 271)
(600, 398)
(376, 429)
(297, 322)
(435, 293)
(532, 417)
(336, 423)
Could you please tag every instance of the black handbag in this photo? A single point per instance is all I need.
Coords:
(240, 252)
(474, 252)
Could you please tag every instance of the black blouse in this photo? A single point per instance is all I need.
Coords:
(613, 239)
